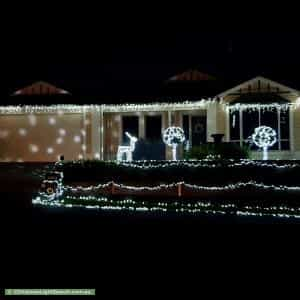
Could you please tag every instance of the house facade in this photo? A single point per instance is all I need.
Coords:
(38, 132)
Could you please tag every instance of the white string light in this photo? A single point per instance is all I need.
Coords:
(173, 136)
(264, 137)
(198, 207)
(204, 163)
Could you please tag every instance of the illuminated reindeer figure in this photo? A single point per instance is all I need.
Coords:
(128, 150)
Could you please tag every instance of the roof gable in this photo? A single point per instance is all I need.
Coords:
(260, 85)
(40, 88)
(191, 75)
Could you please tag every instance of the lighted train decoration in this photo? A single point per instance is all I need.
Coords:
(52, 185)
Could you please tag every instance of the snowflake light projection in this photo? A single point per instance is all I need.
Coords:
(173, 136)
(264, 137)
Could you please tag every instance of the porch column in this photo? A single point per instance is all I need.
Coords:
(212, 114)
(169, 118)
(167, 122)
(84, 143)
(142, 132)
(95, 133)
(101, 132)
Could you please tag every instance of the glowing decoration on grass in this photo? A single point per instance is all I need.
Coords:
(173, 136)
(127, 150)
(54, 194)
(264, 137)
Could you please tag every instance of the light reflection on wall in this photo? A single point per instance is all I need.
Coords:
(52, 121)
(22, 132)
(115, 134)
(30, 137)
(4, 133)
(32, 120)
(60, 112)
(50, 150)
(33, 148)
(62, 132)
(59, 140)
(77, 139)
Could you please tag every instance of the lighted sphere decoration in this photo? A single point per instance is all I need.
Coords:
(173, 136)
(264, 137)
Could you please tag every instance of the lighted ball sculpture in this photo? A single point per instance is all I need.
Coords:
(173, 136)
(264, 137)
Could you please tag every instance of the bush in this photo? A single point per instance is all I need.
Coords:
(206, 172)
(219, 151)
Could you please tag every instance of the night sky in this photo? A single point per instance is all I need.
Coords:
(94, 57)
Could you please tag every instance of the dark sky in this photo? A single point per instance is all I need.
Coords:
(92, 55)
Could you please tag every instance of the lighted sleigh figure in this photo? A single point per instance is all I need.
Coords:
(173, 136)
(127, 150)
(52, 186)
(264, 137)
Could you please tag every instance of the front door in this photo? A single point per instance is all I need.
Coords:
(198, 130)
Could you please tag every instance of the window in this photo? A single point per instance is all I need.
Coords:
(153, 128)
(244, 121)
(194, 128)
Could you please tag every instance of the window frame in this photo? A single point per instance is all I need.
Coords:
(280, 140)
(191, 114)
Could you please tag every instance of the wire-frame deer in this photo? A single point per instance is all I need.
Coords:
(127, 150)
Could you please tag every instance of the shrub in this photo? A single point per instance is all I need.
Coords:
(218, 151)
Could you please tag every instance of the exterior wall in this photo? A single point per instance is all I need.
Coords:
(112, 135)
(94, 135)
(216, 120)
(212, 120)
(46, 136)
(221, 120)
(296, 129)
(41, 137)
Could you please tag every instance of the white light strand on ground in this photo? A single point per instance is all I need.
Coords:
(185, 208)
(191, 186)
(207, 163)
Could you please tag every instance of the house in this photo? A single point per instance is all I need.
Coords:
(42, 122)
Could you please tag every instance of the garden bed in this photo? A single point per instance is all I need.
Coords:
(205, 172)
